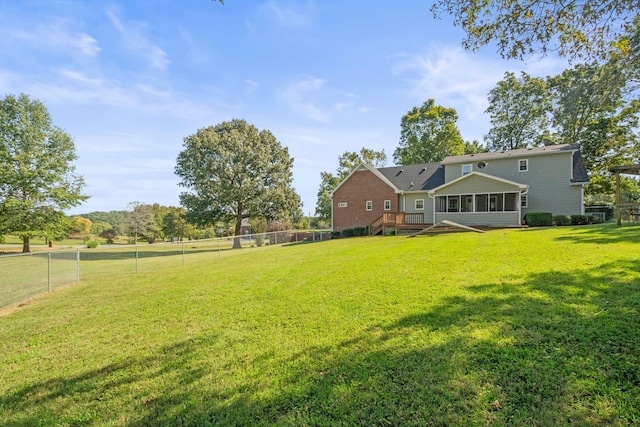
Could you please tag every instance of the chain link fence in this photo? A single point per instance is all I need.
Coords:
(23, 276)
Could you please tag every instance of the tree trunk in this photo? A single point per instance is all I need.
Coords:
(25, 245)
(238, 230)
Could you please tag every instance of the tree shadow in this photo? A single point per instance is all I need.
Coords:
(604, 235)
(551, 349)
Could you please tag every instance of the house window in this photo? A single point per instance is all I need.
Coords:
(467, 169)
(453, 203)
(441, 204)
(419, 204)
(342, 205)
(524, 201)
(482, 202)
(369, 205)
(466, 203)
(387, 205)
(523, 165)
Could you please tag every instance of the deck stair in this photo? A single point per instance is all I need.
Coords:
(401, 222)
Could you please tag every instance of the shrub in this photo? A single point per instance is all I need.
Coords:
(595, 219)
(92, 244)
(539, 219)
(110, 235)
(358, 231)
(561, 220)
(3, 239)
(335, 234)
(579, 220)
(347, 232)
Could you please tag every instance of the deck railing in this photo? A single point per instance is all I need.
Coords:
(396, 219)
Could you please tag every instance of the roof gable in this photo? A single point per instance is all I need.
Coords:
(371, 169)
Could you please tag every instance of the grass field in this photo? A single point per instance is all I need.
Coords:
(512, 327)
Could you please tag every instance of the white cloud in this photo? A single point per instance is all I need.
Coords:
(461, 80)
(307, 93)
(134, 39)
(291, 15)
(57, 35)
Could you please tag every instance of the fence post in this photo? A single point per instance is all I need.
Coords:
(49, 271)
(78, 263)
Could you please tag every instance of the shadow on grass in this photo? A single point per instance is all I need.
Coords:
(550, 348)
(605, 234)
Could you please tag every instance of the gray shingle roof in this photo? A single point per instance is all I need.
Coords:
(580, 173)
(424, 176)
(511, 153)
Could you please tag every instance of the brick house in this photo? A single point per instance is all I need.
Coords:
(491, 189)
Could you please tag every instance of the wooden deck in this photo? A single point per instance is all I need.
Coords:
(402, 222)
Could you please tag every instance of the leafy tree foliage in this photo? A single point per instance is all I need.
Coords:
(114, 218)
(518, 110)
(109, 234)
(347, 161)
(590, 108)
(140, 221)
(428, 134)
(474, 147)
(174, 223)
(234, 171)
(80, 225)
(37, 179)
(594, 28)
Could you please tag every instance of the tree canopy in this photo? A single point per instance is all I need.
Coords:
(37, 175)
(428, 134)
(574, 29)
(518, 108)
(234, 171)
(346, 163)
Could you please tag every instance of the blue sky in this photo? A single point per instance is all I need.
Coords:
(130, 79)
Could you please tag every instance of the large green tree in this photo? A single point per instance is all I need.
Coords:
(234, 171)
(518, 108)
(582, 28)
(428, 134)
(346, 163)
(591, 108)
(37, 175)
(140, 221)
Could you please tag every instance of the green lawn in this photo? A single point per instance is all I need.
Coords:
(511, 327)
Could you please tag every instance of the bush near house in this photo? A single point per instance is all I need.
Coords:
(539, 219)
(347, 232)
(561, 220)
(358, 231)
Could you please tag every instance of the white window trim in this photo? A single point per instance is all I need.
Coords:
(368, 205)
(526, 162)
(415, 204)
(343, 204)
(387, 205)
(470, 166)
(524, 201)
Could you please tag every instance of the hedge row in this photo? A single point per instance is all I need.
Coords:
(350, 232)
(545, 219)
